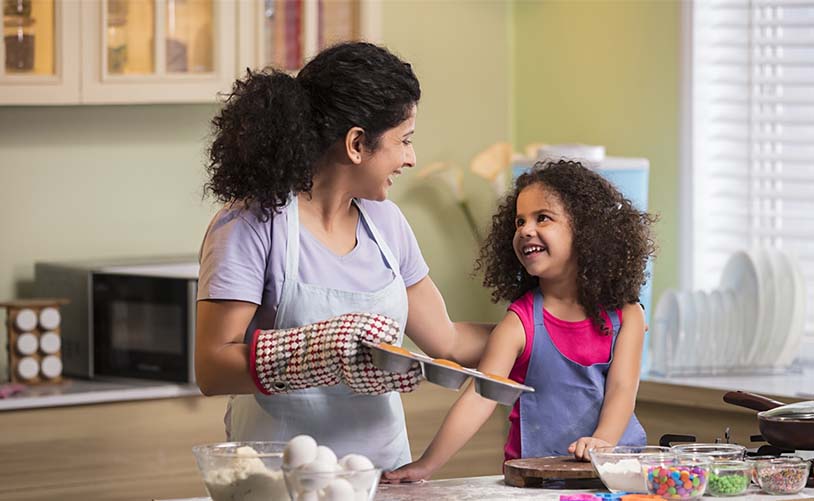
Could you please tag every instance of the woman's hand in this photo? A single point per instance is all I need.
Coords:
(581, 447)
(413, 472)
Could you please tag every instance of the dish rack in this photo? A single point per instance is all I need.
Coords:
(753, 322)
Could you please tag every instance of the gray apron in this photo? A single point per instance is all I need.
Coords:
(345, 421)
(568, 396)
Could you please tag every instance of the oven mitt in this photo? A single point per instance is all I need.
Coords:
(327, 353)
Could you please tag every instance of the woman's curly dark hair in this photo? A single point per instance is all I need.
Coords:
(273, 127)
(612, 240)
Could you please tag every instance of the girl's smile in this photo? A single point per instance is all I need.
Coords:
(543, 237)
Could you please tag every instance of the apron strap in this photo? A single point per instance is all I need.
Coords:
(538, 307)
(292, 245)
(389, 258)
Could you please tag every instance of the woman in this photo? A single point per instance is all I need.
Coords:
(304, 166)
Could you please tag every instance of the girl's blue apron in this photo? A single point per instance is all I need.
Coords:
(345, 421)
(568, 396)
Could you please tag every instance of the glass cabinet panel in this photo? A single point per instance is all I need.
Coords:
(189, 36)
(283, 34)
(129, 36)
(338, 21)
(28, 37)
(294, 30)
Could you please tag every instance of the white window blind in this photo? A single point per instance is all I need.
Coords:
(752, 136)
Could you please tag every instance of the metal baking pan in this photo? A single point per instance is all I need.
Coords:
(453, 377)
(392, 358)
(499, 391)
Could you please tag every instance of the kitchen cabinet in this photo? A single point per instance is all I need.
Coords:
(286, 34)
(39, 56)
(162, 51)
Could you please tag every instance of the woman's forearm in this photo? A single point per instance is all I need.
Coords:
(224, 370)
(469, 342)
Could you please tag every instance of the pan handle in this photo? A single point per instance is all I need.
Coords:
(751, 400)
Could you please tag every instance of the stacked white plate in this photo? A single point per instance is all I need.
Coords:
(752, 321)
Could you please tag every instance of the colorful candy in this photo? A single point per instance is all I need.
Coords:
(782, 478)
(677, 481)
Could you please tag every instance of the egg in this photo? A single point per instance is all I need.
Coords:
(338, 490)
(300, 450)
(316, 475)
(364, 473)
(325, 455)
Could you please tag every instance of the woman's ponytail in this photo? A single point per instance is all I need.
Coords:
(265, 145)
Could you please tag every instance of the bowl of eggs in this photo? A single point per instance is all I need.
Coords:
(312, 472)
(242, 470)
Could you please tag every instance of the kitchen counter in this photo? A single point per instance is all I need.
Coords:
(792, 386)
(83, 392)
(493, 488)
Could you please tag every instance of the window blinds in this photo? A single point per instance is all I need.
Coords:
(752, 135)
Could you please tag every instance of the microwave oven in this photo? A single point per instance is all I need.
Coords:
(125, 318)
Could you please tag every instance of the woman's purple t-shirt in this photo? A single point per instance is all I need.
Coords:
(243, 258)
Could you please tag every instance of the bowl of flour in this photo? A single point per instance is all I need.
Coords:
(242, 471)
(619, 467)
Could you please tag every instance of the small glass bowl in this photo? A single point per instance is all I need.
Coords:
(232, 470)
(619, 467)
(751, 460)
(674, 477)
(729, 478)
(340, 484)
(785, 475)
(713, 452)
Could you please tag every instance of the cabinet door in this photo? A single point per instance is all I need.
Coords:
(157, 51)
(287, 33)
(39, 53)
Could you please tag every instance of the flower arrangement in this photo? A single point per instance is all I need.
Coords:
(492, 165)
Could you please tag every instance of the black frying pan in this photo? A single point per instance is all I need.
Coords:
(788, 426)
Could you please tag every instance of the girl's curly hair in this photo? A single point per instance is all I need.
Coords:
(612, 240)
(273, 127)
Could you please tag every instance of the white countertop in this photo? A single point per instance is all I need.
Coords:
(795, 384)
(493, 488)
(83, 392)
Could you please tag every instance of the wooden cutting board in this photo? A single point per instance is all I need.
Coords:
(529, 472)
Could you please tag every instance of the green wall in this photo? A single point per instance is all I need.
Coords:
(110, 181)
(606, 72)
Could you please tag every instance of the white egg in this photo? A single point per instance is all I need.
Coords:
(362, 495)
(316, 475)
(300, 450)
(338, 490)
(325, 455)
(365, 473)
(353, 462)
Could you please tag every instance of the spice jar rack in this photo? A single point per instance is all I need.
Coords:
(33, 328)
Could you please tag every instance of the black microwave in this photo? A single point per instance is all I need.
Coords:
(126, 318)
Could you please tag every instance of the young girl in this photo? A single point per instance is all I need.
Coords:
(570, 252)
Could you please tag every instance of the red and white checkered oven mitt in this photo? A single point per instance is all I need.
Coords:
(327, 353)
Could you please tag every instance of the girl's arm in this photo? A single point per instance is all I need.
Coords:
(621, 386)
(221, 356)
(471, 410)
(429, 326)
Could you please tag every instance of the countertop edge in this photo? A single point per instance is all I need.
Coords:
(98, 397)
